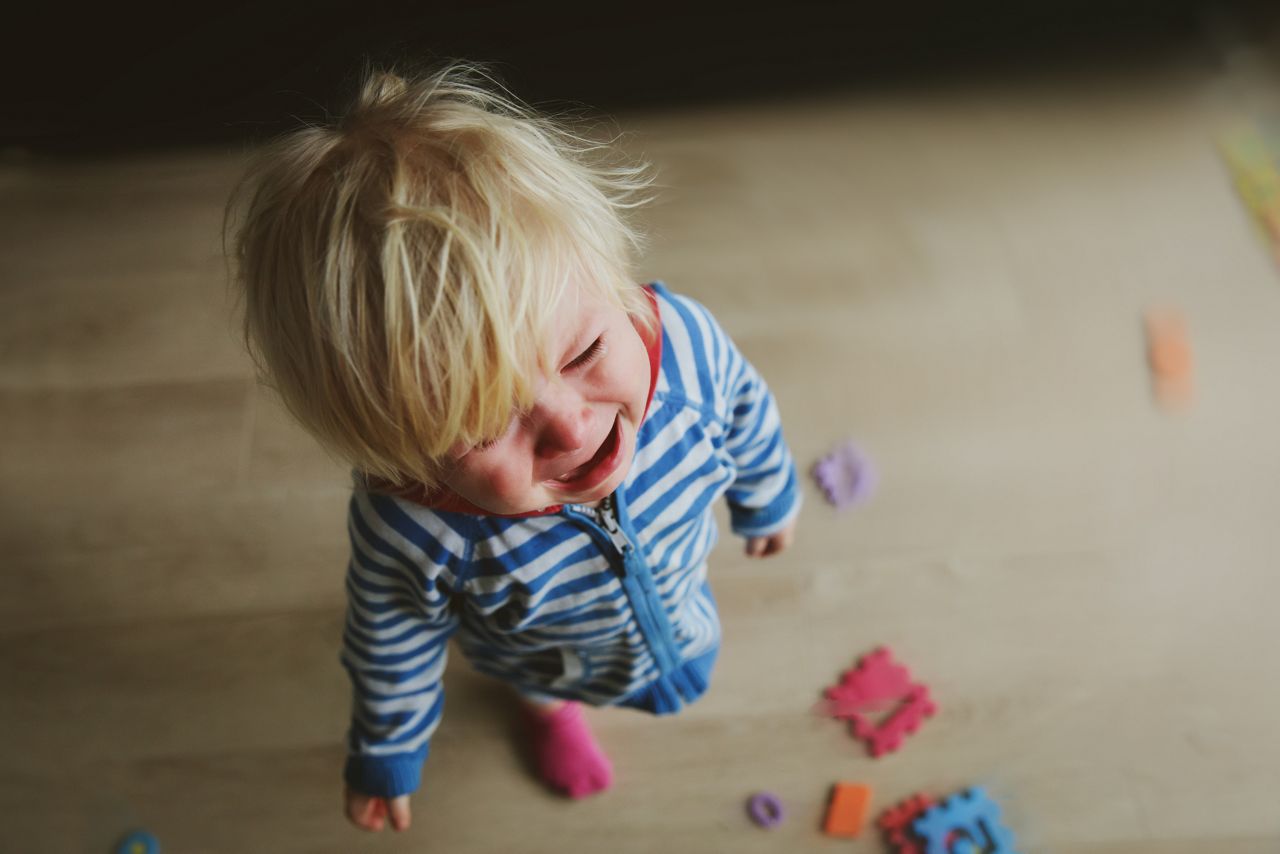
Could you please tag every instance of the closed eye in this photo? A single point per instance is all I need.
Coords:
(521, 416)
(588, 355)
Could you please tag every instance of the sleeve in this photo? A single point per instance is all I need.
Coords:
(764, 497)
(400, 583)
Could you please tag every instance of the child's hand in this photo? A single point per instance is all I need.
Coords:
(370, 813)
(772, 544)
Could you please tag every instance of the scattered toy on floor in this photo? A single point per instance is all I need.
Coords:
(966, 823)
(765, 809)
(847, 810)
(1252, 151)
(895, 823)
(845, 475)
(138, 842)
(1169, 354)
(878, 683)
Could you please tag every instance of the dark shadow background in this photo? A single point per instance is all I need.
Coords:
(116, 78)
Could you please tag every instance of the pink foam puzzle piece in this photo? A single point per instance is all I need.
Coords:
(878, 683)
(888, 735)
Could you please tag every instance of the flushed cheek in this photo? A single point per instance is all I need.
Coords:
(626, 384)
(636, 398)
(511, 483)
(636, 379)
(493, 487)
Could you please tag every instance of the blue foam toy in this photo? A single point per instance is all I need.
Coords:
(967, 823)
(138, 842)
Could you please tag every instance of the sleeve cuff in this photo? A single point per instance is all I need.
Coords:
(763, 521)
(385, 776)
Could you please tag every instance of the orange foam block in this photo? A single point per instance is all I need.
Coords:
(1169, 354)
(847, 811)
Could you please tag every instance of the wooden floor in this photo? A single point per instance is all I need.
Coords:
(954, 276)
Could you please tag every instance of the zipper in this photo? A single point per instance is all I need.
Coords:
(607, 516)
(638, 584)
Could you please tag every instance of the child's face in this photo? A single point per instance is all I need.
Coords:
(575, 444)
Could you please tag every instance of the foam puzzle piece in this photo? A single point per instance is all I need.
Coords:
(966, 823)
(895, 824)
(1169, 355)
(1252, 151)
(847, 810)
(766, 810)
(138, 842)
(888, 735)
(846, 476)
(875, 684)
(875, 681)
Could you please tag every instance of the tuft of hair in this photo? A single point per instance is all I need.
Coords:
(399, 266)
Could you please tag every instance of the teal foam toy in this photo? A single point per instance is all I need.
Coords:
(967, 823)
(138, 842)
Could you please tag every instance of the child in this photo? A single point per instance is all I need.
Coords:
(438, 286)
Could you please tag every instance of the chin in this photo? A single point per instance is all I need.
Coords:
(607, 488)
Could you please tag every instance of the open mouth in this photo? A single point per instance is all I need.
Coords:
(596, 470)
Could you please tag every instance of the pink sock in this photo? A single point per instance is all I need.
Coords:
(569, 759)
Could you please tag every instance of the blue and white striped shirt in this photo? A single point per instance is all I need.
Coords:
(606, 607)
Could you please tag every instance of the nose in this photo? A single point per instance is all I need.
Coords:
(564, 422)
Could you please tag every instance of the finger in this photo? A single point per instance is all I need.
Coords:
(777, 543)
(399, 809)
(378, 814)
(362, 811)
(782, 540)
(754, 546)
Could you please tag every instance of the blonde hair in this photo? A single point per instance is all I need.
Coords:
(400, 266)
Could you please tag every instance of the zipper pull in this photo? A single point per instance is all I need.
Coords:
(609, 521)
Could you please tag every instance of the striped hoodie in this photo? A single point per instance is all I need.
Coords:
(609, 606)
